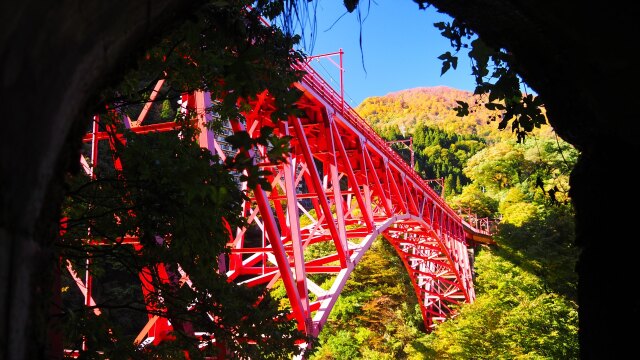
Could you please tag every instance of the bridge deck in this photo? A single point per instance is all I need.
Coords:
(340, 188)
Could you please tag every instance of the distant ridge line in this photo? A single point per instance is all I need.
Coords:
(423, 89)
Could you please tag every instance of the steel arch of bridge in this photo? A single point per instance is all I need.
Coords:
(344, 183)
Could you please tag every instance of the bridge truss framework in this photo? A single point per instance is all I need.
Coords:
(344, 183)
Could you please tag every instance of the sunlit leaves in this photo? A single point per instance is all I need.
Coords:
(474, 200)
(377, 311)
(513, 317)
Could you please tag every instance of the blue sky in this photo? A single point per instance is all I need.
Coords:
(400, 47)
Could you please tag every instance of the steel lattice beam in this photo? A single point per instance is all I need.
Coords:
(340, 188)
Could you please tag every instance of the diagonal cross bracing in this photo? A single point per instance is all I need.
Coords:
(349, 189)
(340, 188)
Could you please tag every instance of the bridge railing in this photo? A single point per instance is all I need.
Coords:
(318, 84)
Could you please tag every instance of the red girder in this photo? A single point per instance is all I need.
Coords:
(340, 188)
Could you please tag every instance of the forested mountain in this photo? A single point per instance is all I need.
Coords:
(525, 285)
(435, 107)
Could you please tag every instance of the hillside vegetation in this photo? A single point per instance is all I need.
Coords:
(434, 106)
(525, 285)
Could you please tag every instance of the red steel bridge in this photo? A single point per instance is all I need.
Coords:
(348, 187)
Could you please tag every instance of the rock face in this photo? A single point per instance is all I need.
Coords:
(570, 54)
(55, 56)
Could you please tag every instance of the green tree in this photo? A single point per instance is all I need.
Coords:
(377, 312)
(476, 201)
(497, 168)
(510, 48)
(512, 317)
(543, 245)
(342, 345)
(179, 200)
(438, 154)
